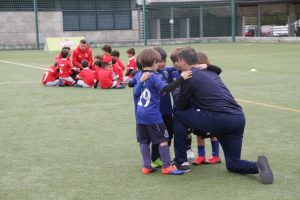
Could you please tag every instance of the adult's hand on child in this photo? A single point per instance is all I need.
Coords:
(201, 66)
(145, 76)
(186, 74)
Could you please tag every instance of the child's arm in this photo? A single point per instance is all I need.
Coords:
(138, 87)
(166, 88)
(210, 67)
(184, 76)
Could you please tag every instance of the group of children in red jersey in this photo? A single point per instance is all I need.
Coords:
(82, 70)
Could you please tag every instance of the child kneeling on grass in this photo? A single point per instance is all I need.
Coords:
(150, 125)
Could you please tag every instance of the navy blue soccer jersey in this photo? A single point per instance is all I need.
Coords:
(165, 101)
(148, 106)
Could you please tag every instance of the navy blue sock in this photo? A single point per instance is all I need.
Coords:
(215, 148)
(145, 151)
(201, 151)
(164, 152)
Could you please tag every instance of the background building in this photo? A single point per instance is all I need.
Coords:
(122, 22)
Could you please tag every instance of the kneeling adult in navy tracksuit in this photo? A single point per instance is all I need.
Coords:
(217, 112)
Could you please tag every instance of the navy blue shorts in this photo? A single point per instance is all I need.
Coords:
(154, 133)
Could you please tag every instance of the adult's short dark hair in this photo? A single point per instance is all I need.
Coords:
(162, 52)
(98, 63)
(148, 57)
(189, 55)
(107, 48)
(174, 54)
(84, 63)
(115, 53)
(131, 51)
(64, 53)
(83, 41)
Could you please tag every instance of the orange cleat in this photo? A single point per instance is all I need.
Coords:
(171, 170)
(148, 171)
(199, 160)
(213, 160)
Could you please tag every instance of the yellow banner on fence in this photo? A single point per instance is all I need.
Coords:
(56, 43)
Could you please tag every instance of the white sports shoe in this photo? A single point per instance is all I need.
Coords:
(190, 154)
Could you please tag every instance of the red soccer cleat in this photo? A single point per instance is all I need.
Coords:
(148, 171)
(199, 160)
(213, 160)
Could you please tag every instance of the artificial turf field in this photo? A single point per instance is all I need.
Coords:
(72, 143)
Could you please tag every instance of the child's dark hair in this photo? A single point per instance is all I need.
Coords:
(84, 63)
(174, 54)
(66, 48)
(189, 55)
(64, 53)
(131, 51)
(162, 52)
(113, 60)
(97, 57)
(107, 48)
(148, 57)
(138, 64)
(98, 63)
(115, 53)
(105, 64)
(83, 41)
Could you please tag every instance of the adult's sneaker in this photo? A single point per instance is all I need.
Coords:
(265, 172)
(183, 166)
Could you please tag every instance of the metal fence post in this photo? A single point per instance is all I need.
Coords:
(36, 24)
(145, 23)
(233, 20)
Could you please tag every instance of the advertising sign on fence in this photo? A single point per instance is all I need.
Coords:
(56, 43)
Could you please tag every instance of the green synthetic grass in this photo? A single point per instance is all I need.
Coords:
(71, 143)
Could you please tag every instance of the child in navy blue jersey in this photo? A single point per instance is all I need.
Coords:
(150, 125)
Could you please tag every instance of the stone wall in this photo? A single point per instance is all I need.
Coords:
(17, 30)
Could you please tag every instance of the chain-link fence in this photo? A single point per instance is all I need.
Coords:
(27, 23)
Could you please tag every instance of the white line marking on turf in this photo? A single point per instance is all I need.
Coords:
(18, 82)
(270, 105)
(20, 64)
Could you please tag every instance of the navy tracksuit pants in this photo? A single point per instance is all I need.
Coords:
(228, 128)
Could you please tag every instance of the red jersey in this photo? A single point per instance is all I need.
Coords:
(105, 78)
(131, 65)
(107, 58)
(120, 63)
(64, 68)
(96, 72)
(87, 75)
(118, 71)
(58, 57)
(79, 56)
(50, 75)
